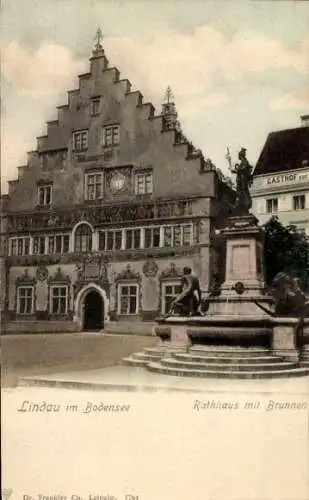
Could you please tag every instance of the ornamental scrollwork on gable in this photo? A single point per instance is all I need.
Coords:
(59, 277)
(25, 279)
(128, 275)
(171, 272)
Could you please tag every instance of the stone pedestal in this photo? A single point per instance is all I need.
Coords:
(244, 256)
(179, 337)
(244, 282)
(283, 340)
(175, 330)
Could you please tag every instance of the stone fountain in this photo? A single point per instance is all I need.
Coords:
(240, 335)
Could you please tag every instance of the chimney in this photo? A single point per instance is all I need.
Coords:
(304, 120)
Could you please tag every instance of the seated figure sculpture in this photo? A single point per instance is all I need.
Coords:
(289, 300)
(188, 302)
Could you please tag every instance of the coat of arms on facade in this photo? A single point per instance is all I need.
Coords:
(92, 267)
(150, 268)
(41, 273)
(119, 180)
(117, 183)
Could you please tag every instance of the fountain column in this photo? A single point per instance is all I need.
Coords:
(244, 276)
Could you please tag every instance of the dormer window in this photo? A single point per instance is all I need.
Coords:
(111, 135)
(45, 195)
(95, 106)
(80, 140)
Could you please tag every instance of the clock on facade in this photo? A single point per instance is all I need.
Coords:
(117, 182)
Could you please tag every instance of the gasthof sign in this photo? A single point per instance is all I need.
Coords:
(287, 178)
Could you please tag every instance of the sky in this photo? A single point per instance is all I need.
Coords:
(238, 69)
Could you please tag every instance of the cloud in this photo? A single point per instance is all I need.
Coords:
(194, 63)
(13, 153)
(298, 100)
(205, 68)
(40, 73)
(190, 106)
(255, 54)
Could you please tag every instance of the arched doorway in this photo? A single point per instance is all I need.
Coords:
(93, 311)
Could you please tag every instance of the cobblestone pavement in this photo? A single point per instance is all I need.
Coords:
(26, 355)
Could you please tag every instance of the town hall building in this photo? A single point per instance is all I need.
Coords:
(109, 208)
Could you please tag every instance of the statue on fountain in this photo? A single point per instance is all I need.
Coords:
(243, 171)
(188, 302)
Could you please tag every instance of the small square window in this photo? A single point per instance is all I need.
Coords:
(169, 292)
(58, 244)
(94, 186)
(59, 300)
(168, 236)
(19, 246)
(272, 205)
(187, 235)
(95, 106)
(80, 140)
(299, 202)
(111, 135)
(39, 245)
(25, 300)
(152, 237)
(128, 299)
(45, 195)
(143, 183)
(133, 238)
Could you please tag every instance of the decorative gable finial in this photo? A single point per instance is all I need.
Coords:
(98, 39)
(169, 96)
(169, 112)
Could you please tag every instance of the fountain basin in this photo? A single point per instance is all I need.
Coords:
(275, 333)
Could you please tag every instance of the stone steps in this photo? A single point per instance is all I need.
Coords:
(223, 367)
(305, 353)
(218, 361)
(158, 350)
(142, 356)
(134, 362)
(229, 351)
(213, 358)
(213, 373)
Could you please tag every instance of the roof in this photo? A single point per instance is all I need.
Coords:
(284, 150)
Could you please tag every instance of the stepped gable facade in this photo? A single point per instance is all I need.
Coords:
(109, 208)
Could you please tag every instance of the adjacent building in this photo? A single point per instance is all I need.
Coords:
(281, 178)
(109, 208)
